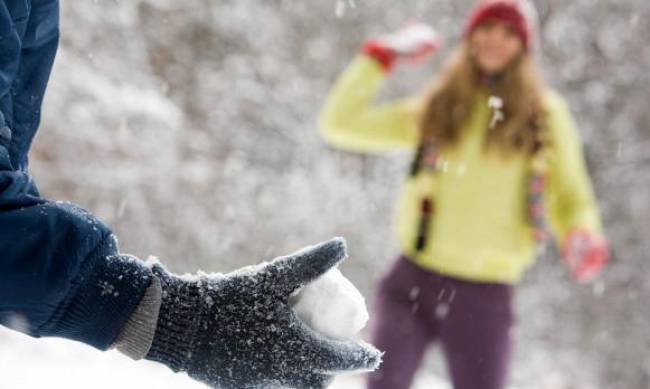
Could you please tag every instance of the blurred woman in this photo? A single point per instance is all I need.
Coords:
(497, 155)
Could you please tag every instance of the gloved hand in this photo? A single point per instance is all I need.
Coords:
(415, 42)
(238, 330)
(585, 254)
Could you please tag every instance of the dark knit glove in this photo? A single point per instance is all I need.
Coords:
(238, 330)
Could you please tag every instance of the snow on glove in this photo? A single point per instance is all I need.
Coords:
(238, 330)
(585, 254)
(416, 42)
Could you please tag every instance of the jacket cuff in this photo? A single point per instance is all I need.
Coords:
(136, 337)
(102, 297)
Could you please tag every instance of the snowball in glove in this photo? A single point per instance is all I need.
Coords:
(239, 330)
(332, 306)
(416, 42)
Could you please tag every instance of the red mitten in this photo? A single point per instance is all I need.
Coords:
(585, 254)
(415, 42)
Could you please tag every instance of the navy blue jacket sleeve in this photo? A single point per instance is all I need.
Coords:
(61, 273)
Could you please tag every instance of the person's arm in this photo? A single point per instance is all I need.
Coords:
(9, 49)
(573, 211)
(60, 270)
(351, 119)
(36, 23)
(62, 274)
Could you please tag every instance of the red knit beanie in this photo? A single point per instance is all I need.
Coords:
(517, 13)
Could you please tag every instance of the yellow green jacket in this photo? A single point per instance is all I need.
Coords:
(480, 231)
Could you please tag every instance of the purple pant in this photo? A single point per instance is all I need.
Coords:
(472, 322)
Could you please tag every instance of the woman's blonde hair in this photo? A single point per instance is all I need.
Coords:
(450, 101)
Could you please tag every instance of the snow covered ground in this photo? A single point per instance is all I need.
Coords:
(27, 363)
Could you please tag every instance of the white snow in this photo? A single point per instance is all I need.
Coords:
(412, 38)
(332, 306)
(27, 363)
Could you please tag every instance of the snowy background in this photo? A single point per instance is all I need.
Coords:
(189, 127)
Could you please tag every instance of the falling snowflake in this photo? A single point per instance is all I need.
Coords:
(107, 288)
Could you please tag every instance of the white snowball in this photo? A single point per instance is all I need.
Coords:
(332, 306)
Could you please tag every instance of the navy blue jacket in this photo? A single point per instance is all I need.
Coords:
(60, 270)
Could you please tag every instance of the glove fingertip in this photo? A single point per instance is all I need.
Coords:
(362, 357)
(327, 254)
(338, 247)
(374, 357)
